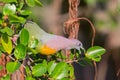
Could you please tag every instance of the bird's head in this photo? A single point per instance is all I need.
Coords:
(78, 45)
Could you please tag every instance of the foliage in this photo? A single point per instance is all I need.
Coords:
(55, 67)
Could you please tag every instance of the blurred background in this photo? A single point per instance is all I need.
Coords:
(105, 15)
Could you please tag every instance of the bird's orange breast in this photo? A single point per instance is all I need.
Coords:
(45, 50)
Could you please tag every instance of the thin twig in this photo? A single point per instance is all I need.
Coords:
(93, 29)
(92, 43)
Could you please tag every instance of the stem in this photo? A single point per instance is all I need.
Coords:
(95, 66)
(93, 29)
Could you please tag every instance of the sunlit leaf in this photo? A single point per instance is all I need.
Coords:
(24, 37)
(38, 3)
(29, 78)
(27, 69)
(7, 30)
(39, 69)
(20, 6)
(9, 9)
(71, 73)
(16, 19)
(6, 43)
(6, 77)
(1, 48)
(51, 66)
(66, 79)
(9, 1)
(30, 3)
(60, 71)
(1, 22)
(25, 12)
(20, 51)
(33, 43)
(12, 66)
(95, 53)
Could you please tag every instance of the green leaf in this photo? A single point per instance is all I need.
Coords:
(29, 78)
(66, 79)
(6, 43)
(1, 67)
(16, 19)
(71, 73)
(30, 3)
(38, 3)
(1, 48)
(20, 5)
(7, 77)
(1, 53)
(91, 2)
(33, 43)
(20, 51)
(9, 1)
(12, 66)
(27, 69)
(39, 69)
(60, 71)
(51, 66)
(9, 9)
(25, 12)
(24, 37)
(7, 30)
(44, 63)
(1, 22)
(85, 62)
(95, 53)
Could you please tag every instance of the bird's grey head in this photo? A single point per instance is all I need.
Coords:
(78, 45)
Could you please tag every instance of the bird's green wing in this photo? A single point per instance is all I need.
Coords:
(34, 30)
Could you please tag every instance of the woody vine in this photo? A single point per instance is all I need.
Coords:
(31, 65)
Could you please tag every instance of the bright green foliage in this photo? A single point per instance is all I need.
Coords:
(33, 43)
(60, 71)
(38, 3)
(66, 79)
(12, 66)
(25, 12)
(32, 3)
(7, 30)
(2, 49)
(9, 9)
(20, 51)
(6, 43)
(71, 72)
(51, 66)
(24, 37)
(9, 1)
(95, 53)
(16, 19)
(6, 77)
(29, 78)
(39, 69)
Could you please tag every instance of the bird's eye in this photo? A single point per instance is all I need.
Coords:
(79, 44)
